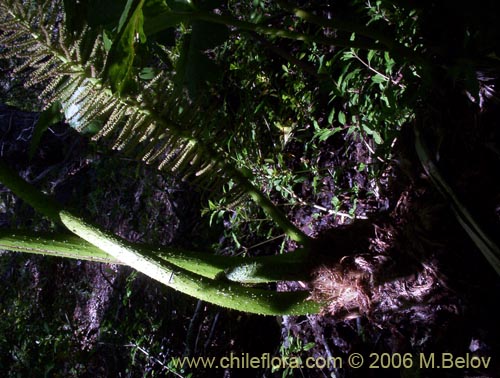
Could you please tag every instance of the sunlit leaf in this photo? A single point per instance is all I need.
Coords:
(147, 73)
(378, 78)
(331, 115)
(377, 138)
(370, 55)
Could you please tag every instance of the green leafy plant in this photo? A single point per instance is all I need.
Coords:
(138, 80)
(94, 81)
(290, 352)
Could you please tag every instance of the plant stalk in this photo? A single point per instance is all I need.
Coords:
(219, 292)
(289, 267)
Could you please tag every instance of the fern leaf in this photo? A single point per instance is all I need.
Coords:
(164, 133)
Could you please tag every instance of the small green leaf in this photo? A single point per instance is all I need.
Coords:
(371, 53)
(331, 115)
(378, 78)
(108, 42)
(376, 137)
(147, 73)
(48, 118)
(324, 134)
(341, 117)
(389, 62)
(309, 346)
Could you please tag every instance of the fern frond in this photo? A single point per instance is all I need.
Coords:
(156, 130)
(112, 122)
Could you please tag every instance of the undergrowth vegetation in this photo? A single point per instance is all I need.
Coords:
(279, 119)
(188, 90)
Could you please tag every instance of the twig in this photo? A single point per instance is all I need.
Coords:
(329, 212)
(367, 65)
(156, 360)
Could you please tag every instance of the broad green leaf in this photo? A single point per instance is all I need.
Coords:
(48, 118)
(119, 66)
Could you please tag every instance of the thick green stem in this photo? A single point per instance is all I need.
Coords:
(58, 245)
(219, 292)
(289, 267)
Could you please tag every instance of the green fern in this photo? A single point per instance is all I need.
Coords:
(56, 63)
(146, 123)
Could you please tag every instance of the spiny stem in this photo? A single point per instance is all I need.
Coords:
(218, 292)
(56, 245)
(288, 267)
